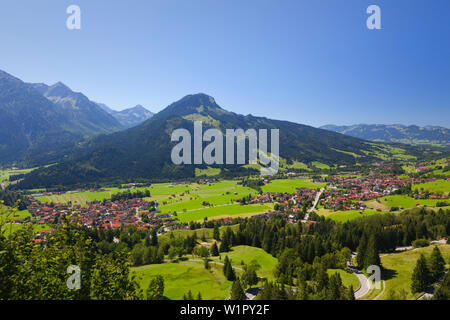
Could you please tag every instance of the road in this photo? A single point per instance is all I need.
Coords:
(314, 205)
(363, 281)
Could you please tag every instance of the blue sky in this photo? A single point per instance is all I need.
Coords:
(308, 61)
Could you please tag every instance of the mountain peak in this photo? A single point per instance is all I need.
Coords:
(193, 103)
(59, 89)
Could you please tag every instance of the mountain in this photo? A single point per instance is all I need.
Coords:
(30, 123)
(88, 115)
(414, 135)
(131, 117)
(144, 152)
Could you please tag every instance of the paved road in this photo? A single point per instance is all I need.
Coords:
(363, 281)
(314, 205)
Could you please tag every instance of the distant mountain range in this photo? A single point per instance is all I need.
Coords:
(39, 122)
(143, 152)
(129, 117)
(414, 135)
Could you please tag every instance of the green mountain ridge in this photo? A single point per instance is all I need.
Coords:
(143, 152)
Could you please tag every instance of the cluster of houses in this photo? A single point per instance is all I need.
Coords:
(108, 214)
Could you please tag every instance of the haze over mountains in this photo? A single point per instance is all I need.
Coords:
(397, 133)
(129, 117)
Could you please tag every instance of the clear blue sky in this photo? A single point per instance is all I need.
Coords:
(308, 61)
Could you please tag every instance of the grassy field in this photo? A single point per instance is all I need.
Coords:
(348, 279)
(344, 216)
(400, 267)
(222, 212)
(183, 276)
(248, 254)
(405, 201)
(290, 185)
(442, 186)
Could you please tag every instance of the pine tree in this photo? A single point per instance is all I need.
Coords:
(351, 293)
(436, 264)
(237, 293)
(199, 296)
(421, 276)
(224, 245)
(216, 234)
(154, 239)
(155, 289)
(361, 250)
(372, 255)
(214, 250)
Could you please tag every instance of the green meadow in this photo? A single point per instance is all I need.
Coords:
(183, 276)
(348, 278)
(247, 254)
(400, 266)
(290, 185)
(442, 186)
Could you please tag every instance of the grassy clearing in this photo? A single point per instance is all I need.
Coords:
(442, 186)
(348, 278)
(248, 254)
(400, 267)
(222, 211)
(290, 185)
(405, 201)
(181, 277)
(344, 216)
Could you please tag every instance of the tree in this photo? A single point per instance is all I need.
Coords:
(155, 290)
(351, 293)
(237, 293)
(154, 239)
(436, 264)
(224, 245)
(216, 234)
(214, 250)
(421, 276)
(361, 251)
(199, 296)
(228, 270)
(372, 256)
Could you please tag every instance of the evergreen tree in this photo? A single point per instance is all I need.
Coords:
(155, 290)
(224, 245)
(237, 293)
(351, 293)
(361, 251)
(436, 264)
(214, 250)
(199, 296)
(216, 234)
(154, 239)
(421, 276)
(372, 256)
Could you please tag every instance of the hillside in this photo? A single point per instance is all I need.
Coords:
(143, 152)
(90, 117)
(30, 123)
(414, 135)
